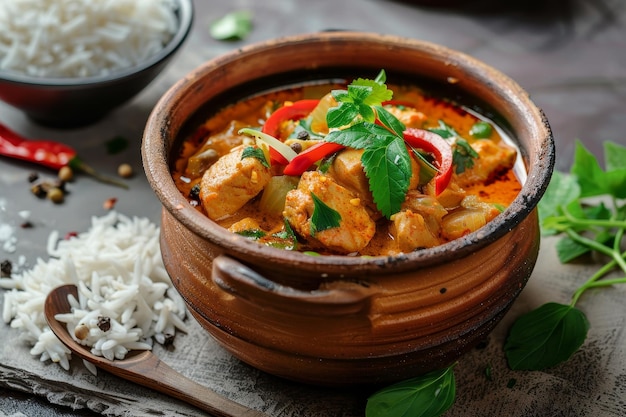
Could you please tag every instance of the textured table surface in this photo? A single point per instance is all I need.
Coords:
(570, 55)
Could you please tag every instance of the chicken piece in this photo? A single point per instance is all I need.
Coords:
(231, 182)
(214, 147)
(347, 171)
(411, 232)
(493, 158)
(356, 228)
(417, 225)
(408, 115)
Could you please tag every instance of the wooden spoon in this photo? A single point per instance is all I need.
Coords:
(143, 367)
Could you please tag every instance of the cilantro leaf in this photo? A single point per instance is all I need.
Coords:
(545, 337)
(378, 91)
(463, 155)
(252, 152)
(428, 395)
(388, 168)
(323, 217)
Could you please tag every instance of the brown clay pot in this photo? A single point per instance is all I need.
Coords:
(337, 320)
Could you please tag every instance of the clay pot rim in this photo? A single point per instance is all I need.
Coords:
(165, 122)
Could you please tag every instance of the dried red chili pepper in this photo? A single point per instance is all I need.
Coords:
(46, 153)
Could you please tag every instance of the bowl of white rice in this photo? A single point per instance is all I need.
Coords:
(68, 63)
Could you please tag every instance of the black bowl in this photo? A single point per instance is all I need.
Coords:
(73, 102)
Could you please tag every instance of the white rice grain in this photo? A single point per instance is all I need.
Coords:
(119, 272)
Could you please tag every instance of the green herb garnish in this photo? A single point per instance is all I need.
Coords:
(254, 234)
(323, 217)
(550, 334)
(385, 159)
(429, 395)
(252, 152)
(463, 154)
(232, 26)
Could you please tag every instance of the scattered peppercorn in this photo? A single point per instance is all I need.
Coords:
(104, 323)
(169, 339)
(6, 267)
(296, 146)
(66, 174)
(27, 225)
(81, 331)
(38, 190)
(56, 195)
(32, 177)
(303, 134)
(194, 193)
(125, 171)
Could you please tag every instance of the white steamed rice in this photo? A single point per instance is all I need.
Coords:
(80, 38)
(119, 272)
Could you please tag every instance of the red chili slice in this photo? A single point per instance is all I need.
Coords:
(308, 157)
(436, 145)
(295, 111)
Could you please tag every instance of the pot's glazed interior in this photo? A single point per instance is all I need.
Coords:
(339, 320)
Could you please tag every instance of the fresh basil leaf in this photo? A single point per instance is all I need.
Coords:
(615, 156)
(324, 217)
(390, 121)
(388, 168)
(341, 115)
(429, 395)
(562, 189)
(568, 249)
(361, 136)
(545, 337)
(481, 130)
(591, 178)
(251, 233)
(252, 152)
(232, 26)
(381, 78)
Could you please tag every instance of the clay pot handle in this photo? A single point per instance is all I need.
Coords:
(337, 298)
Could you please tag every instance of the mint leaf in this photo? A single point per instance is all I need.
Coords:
(429, 395)
(545, 337)
(388, 168)
(342, 115)
(252, 152)
(323, 217)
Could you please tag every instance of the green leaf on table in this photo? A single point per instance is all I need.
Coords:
(592, 179)
(232, 26)
(429, 395)
(324, 217)
(562, 190)
(545, 337)
(615, 156)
